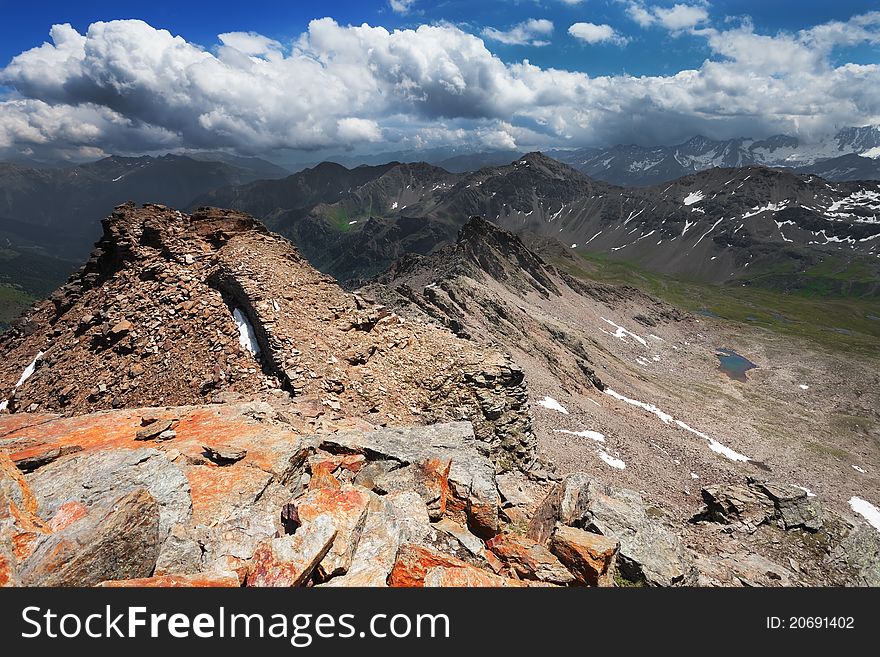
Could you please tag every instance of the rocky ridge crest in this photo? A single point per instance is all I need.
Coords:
(185, 309)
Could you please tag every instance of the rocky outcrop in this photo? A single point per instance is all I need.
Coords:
(290, 560)
(185, 309)
(751, 505)
(591, 558)
(650, 551)
(528, 560)
(470, 479)
(415, 506)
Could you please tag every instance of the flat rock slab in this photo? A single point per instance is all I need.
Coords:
(471, 477)
(95, 478)
(118, 542)
(270, 444)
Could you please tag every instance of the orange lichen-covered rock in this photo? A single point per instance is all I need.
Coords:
(322, 475)
(119, 542)
(590, 557)
(290, 560)
(469, 577)
(428, 477)
(414, 562)
(23, 527)
(202, 580)
(67, 514)
(347, 508)
(528, 559)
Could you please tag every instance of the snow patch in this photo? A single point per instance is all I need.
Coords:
(804, 387)
(592, 238)
(665, 417)
(770, 207)
(693, 197)
(621, 333)
(610, 460)
(593, 435)
(25, 375)
(867, 510)
(806, 490)
(714, 226)
(553, 405)
(246, 336)
(724, 450)
(29, 370)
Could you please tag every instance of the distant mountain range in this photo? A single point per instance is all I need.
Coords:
(848, 155)
(50, 217)
(851, 154)
(716, 226)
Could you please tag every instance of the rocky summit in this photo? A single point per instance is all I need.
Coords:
(199, 406)
(177, 309)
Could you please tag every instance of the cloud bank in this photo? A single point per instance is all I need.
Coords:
(125, 87)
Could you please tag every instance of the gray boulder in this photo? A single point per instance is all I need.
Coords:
(471, 475)
(120, 541)
(96, 478)
(650, 551)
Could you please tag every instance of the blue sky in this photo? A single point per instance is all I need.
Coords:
(650, 52)
(453, 74)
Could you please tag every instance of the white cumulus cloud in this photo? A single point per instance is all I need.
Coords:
(592, 33)
(127, 87)
(676, 18)
(533, 32)
(401, 6)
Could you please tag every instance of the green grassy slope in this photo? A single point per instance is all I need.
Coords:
(817, 311)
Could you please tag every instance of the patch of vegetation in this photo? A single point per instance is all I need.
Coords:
(852, 423)
(13, 302)
(828, 450)
(830, 276)
(621, 581)
(33, 273)
(338, 215)
(836, 323)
